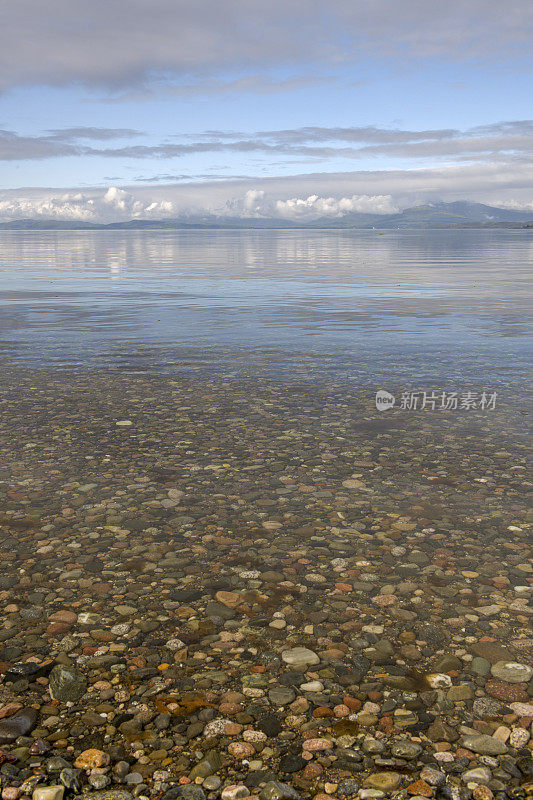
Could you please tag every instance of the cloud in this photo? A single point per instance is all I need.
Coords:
(247, 84)
(359, 134)
(57, 143)
(290, 197)
(107, 43)
(112, 205)
(89, 133)
(315, 206)
(509, 138)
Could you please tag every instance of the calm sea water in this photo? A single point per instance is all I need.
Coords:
(433, 306)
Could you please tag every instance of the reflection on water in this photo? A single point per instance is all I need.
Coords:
(453, 301)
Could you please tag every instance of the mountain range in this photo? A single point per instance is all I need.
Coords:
(460, 214)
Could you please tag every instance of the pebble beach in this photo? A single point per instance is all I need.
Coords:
(230, 588)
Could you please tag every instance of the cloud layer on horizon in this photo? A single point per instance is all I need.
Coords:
(301, 197)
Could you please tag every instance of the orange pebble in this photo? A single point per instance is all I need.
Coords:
(420, 788)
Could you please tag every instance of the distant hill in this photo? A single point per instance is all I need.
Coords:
(458, 213)
(461, 214)
(436, 215)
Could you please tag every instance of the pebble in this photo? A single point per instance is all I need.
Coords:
(234, 792)
(89, 759)
(512, 672)
(483, 744)
(300, 657)
(48, 793)
(17, 725)
(477, 775)
(66, 684)
(386, 781)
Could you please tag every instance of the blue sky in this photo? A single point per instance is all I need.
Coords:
(187, 109)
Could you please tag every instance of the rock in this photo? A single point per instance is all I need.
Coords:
(68, 617)
(275, 790)
(439, 731)
(519, 738)
(71, 779)
(125, 610)
(92, 758)
(386, 781)
(234, 792)
(509, 692)
(348, 788)
(212, 783)
(492, 610)
(491, 651)
(207, 766)
(405, 748)
(292, 763)
(29, 670)
(477, 775)
(187, 792)
(480, 666)
(48, 793)
(456, 694)
(10, 709)
(134, 778)
(66, 684)
(98, 781)
(523, 709)
(483, 744)
(270, 725)
(281, 695)
(311, 686)
(482, 792)
(228, 599)
(19, 725)
(486, 707)
(300, 657)
(447, 662)
(315, 745)
(109, 794)
(419, 789)
(433, 776)
(512, 672)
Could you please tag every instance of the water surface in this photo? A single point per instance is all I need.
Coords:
(435, 306)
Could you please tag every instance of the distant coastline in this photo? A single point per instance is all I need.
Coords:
(163, 225)
(460, 214)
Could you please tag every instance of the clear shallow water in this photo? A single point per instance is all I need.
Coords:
(427, 306)
(144, 482)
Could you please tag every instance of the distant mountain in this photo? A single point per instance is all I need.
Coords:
(451, 214)
(434, 215)
(461, 214)
(47, 225)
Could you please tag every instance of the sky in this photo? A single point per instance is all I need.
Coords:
(296, 109)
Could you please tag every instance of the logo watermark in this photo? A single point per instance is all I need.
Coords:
(384, 400)
(435, 401)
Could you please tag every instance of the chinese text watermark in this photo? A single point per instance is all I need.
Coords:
(437, 400)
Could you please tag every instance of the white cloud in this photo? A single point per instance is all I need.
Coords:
(516, 205)
(113, 205)
(290, 197)
(315, 206)
(257, 203)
